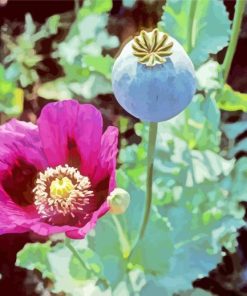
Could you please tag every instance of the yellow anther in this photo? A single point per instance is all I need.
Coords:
(61, 187)
(61, 191)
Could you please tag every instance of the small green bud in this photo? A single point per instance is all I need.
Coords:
(118, 201)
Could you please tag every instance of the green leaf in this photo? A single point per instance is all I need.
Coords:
(236, 183)
(194, 191)
(232, 130)
(197, 245)
(87, 36)
(11, 97)
(132, 218)
(92, 262)
(175, 162)
(34, 256)
(107, 244)
(157, 239)
(106, 240)
(96, 84)
(52, 24)
(113, 270)
(59, 264)
(50, 27)
(23, 58)
(198, 125)
(209, 28)
(200, 292)
(239, 147)
(100, 64)
(151, 287)
(87, 71)
(96, 6)
(76, 269)
(153, 252)
(60, 261)
(194, 292)
(55, 90)
(154, 285)
(30, 27)
(207, 166)
(87, 88)
(209, 76)
(231, 100)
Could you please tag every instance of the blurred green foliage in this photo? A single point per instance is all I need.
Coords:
(231, 100)
(11, 97)
(197, 184)
(23, 59)
(87, 71)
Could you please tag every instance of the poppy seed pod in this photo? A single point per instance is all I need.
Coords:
(153, 78)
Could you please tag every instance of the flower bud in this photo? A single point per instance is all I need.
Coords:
(118, 201)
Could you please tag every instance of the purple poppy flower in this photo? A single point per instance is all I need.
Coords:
(55, 177)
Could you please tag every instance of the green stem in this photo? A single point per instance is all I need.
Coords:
(149, 183)
(123, 239)
(153, 127)
(75, 253)
(190, 32)
(238, 17)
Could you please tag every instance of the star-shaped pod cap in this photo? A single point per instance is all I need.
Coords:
(151, 48)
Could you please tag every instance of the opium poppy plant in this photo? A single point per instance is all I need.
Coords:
(55, 176)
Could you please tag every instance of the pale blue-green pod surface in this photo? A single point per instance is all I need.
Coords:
(155, 93)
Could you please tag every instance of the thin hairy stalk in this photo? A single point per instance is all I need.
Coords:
(149, 183)
(153, 127)
(190, 32)
(236, 26)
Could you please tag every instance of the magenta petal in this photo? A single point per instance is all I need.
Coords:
(21, 140)
(46, 229)
(20, 148)
(21, 157)
(13, 218)
(107, 158)
(88, 132)
(75, 232)
(80, 233)
(68, 122)
(56, 124)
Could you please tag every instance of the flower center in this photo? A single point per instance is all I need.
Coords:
(61, 191)
(61, 188)
(151, 48)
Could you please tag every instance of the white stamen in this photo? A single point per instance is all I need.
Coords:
(49, 205)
